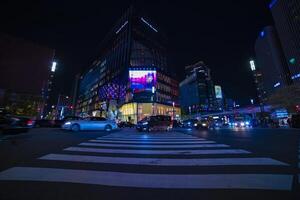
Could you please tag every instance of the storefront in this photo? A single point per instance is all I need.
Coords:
(137, 111)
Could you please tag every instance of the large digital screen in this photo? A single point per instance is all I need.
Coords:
(218, 91)
(142, 80)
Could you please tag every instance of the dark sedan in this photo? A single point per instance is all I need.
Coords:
(15, 124)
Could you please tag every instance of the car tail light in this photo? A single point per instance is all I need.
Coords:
(30, 122)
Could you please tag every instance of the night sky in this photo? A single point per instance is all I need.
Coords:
(220, 33)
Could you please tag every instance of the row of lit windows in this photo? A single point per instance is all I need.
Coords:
(167, 79)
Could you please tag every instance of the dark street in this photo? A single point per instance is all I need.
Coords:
(182, 164)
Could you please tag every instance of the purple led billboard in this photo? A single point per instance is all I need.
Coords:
(142, 80)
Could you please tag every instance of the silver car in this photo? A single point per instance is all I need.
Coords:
(91, 124)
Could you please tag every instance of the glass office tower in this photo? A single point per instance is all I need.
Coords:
(286, 14)
(130, 79)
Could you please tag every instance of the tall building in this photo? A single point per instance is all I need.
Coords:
(286, 14)
(271, 61)
(197, 90)
(261, 93)
(130, 79)
(24, 70)
(219, 98)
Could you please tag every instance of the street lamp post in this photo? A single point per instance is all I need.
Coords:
(173, 110)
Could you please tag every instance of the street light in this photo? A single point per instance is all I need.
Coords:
(173, 110)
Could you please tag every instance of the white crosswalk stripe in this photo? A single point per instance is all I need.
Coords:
(299, 163)
(147, 150)
(151, 139)
(159, 152)
(165, 181)
(163, 161)
(152, 142)
(154, 146)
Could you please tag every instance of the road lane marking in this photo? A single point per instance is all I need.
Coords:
(150, 139)
(165, 162)
(152, 136)
(159, 152)
(155, 146)
(150, 142)
(161, 181)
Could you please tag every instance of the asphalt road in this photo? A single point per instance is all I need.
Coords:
(182, 164)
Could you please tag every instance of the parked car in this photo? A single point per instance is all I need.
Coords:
(190, 123)
(15, 124)
(202, 124)
(153, 123)
(59, 122)
(295, 121)
(45, 123)
(123, 124)
(176, 124)
(91, 124)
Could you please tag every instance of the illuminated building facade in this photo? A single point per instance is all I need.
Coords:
(24, 73)
(197, 93)
(286, 14)
(271, 61)
(130, 73)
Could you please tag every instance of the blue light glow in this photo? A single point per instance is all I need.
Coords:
(262, 34)
(272, 4)
(277, 85)
(296, 76)
(145, 136)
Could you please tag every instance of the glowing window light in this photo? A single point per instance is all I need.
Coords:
(53, 68)
(292, 61)
(296, 76)
(252, 65)
(277, 85)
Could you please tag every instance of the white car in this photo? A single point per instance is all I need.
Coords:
(91, 124)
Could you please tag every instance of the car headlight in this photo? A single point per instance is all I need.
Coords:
(195, 124)
(68, 123)
(145, 123)
(247, 123)
(235, 124)
(242, 124)
(204, 124)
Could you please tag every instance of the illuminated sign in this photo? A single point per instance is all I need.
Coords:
(252, 65)
(53, 68)
(142, 80)
(143, 20)
(218, 91)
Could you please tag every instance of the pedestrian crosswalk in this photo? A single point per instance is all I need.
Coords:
(299, 163)
(176, 161)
